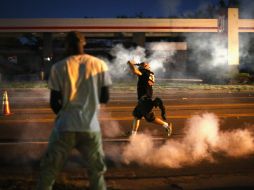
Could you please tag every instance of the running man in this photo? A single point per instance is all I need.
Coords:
(145, 105)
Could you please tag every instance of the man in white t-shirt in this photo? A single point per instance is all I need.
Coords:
(78, 84)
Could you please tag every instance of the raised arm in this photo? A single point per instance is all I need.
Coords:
(133, 69)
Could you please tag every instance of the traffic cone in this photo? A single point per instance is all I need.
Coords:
(6, 107)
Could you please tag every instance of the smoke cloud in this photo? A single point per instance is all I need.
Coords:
(160, 54)
(153, 53)
(246, 52)
(208, 52)
(202, 139)
(208, 56)
(111, 127)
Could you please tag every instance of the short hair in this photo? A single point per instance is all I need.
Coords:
(75, 38)
(142, 64)
(74, 42)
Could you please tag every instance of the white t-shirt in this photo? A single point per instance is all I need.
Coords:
(79, 78)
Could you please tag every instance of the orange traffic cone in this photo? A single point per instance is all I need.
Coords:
(6, 108)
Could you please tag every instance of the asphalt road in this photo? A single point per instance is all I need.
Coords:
(24, 135)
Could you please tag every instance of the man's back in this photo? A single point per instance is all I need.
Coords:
(77, 85)
(81, 78)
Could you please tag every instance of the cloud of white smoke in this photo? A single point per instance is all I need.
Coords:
(121, 56)
(246, 49)
(208, 55)
(202, 138)
(160, 54)
(110, 128)
(155, 56)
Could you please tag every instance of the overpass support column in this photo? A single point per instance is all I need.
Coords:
(233, 40)
(139, 38)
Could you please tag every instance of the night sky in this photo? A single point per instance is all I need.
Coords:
(102, 8)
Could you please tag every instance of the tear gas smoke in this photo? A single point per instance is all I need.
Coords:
(113, 151)
(208, 55)
(207, 58)
(160, 54)
(111, 127)
(24, 151)
(202, 139)
(156, 57)
(122, 55)
(246, 50)
(208, 52)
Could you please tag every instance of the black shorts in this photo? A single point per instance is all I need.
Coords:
(144, 108)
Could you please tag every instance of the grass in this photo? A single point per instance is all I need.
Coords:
(201, 86)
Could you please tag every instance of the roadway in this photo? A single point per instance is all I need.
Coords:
(24, 135)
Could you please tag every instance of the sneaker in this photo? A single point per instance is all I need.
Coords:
(169, 129)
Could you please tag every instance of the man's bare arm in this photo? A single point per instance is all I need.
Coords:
(133, 69)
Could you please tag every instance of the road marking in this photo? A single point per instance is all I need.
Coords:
(45, 141)
(110, 107)
(113, 118)
(189, 106)
(180, 116)
(133, 99)
(185, 99)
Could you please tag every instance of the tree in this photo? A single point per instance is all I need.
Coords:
(222, 4)
(233, 4)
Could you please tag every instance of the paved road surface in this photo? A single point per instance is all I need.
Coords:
(24, 135)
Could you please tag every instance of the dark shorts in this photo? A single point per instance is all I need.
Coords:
(144, 108)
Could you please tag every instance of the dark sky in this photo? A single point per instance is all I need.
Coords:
(96, 8)
(106, 8)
